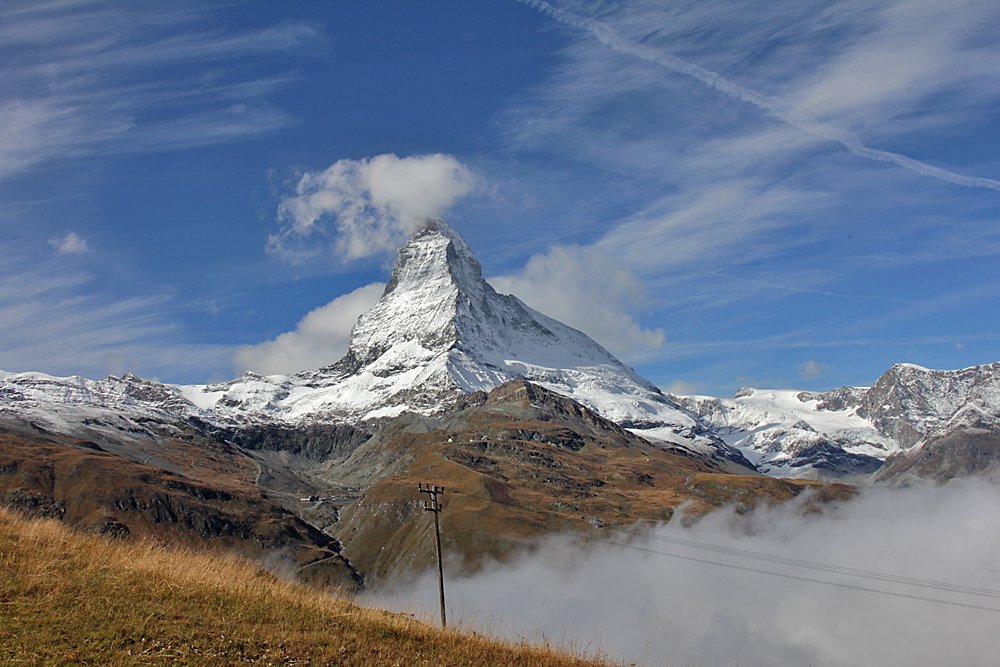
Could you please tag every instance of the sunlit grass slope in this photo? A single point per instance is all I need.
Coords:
(70, 598)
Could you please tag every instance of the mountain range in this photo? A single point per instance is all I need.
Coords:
(440, 331)
(444, 375)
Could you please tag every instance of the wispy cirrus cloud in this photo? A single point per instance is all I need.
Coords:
(70, 244)
(888, 65)
(774, 155)
(84, 78)
(52, 318)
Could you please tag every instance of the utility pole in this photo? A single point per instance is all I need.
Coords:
(433, 505)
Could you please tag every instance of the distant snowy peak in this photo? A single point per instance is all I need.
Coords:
(848, 430)
(908, 402)
(795, 433)
(80, 406)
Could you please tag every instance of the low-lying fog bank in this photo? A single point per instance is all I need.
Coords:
(910, 579)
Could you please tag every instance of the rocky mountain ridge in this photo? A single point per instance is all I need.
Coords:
(909, 402)
(850, 431)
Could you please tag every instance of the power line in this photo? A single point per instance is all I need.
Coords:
(825, 567)
(782, 560)
(794, 577)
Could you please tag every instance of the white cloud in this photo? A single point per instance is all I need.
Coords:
(897, 57)
(71, 244)
(910, 50)
(682, 388)
(369, 206)
(83, 79)
(603, 289)
(706, 224)
(634, 605)
(319, 339)
(812, 369)
(89, 334)
(590, 291)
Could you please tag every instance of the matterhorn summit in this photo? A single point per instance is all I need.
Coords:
(440, 330)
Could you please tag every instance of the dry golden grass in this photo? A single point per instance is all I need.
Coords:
(69, 598)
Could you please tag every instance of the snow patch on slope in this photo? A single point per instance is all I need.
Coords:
(788, 433)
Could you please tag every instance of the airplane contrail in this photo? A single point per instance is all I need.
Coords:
(610, 38)
(803, 290)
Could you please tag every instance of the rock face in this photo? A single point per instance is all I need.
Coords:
(86, 485)
(967, 445)
(947, 421)
(909, 402)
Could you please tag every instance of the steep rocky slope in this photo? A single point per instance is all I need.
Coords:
(967, 445)
(909, 402)
(210, 500)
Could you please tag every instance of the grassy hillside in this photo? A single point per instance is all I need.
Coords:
(70, 598)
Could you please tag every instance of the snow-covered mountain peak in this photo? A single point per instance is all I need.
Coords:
(437, 303)
(441, 329)
(418, 310)
(435, 252)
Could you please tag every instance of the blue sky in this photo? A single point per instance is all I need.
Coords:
(722, 193)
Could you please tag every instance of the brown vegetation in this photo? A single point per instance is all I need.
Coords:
(70, 598)
(523, 463)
